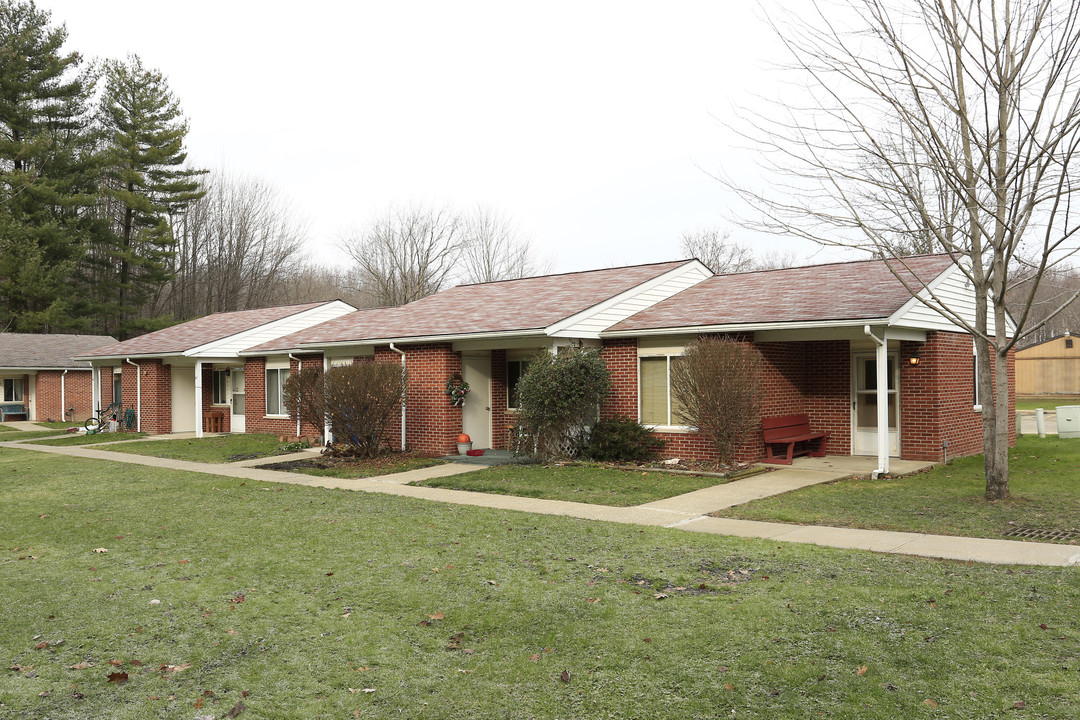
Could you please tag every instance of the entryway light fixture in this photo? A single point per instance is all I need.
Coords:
(914, 359)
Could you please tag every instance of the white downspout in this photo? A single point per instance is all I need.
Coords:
(198, 399)
(95, 389)
(138, 393)
(402, 354)
(882, 361)
(326, 418)
(299, 367)
(63, 401)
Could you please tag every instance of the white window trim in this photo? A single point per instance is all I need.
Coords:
(228, 389)
(267, 390)
(661, 427)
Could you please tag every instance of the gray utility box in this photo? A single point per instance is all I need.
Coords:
(1068, 421)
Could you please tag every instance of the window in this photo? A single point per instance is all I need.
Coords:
(13, 389)
(275, 396)
(117, 386)
(514, 370)
(1068, 343)
(657, 406)
(221, 387)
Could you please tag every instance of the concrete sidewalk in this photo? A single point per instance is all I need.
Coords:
(687, 512)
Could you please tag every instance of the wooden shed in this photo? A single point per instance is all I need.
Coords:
(1049, 368)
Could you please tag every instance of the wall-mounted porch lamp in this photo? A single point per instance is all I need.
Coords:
(913, 360)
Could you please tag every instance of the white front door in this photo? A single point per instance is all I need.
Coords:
(236, 407)
(476, 413)
(864, 404)
(183, 399)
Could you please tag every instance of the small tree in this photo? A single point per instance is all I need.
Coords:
(360, 401)
(305, 396)
(559, 396)
(717, 385)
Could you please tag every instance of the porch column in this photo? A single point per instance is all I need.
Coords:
(883, 403)
(198, 399)
(95, 389)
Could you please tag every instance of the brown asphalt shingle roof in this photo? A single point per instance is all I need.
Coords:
(25, 350)
(840, 291)
(505, 306)
(192, 334)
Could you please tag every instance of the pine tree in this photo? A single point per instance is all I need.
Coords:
(146, 184)
(48, 172)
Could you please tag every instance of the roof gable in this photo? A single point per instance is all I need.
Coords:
(851, 291)
(205, 332)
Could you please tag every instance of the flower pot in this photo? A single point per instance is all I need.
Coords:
(464, 447)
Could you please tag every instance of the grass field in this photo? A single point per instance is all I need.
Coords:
(948, 500)
(1046, 403)
(577, 483)
(217, 449)
(84, 439)
(219, 595)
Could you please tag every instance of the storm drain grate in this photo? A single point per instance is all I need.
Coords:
(1041, 534)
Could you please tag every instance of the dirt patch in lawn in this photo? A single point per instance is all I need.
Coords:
(356, 467)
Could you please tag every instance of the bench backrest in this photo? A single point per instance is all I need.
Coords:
(777, 428)
(13, 408)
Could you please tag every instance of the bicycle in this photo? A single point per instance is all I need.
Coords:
(100, 421)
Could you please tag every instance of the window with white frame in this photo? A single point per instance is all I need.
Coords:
(275, 390)
(13, 389)
(657, 405)
(221, 387)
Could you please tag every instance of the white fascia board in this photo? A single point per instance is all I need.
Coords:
(42, 368)
(419, 339)
(744, 327)
(109, 359)
(332, 310)
(557, 329)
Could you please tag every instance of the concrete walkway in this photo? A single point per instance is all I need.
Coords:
(687, 512)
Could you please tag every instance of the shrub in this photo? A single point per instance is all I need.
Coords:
(717, 384)
(622, 440)
(361, 399)
(305, 396)
(558, 397)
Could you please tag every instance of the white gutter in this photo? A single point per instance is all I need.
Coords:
(299, 367)
(402, 354)
(882, 360)
(63, 402)
(326, 418)
(362, 342)
(95, 389)
(198, 399)
(138, 393)
(741, 327)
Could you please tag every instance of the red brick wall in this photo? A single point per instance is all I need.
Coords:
(77, 393)
(621, 359)
(501, 419)
(432, 423)
(156, 393)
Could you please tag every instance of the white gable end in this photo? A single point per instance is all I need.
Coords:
(951, 289)
(590, 323)
(232, 345)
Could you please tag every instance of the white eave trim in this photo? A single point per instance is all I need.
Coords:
(744, 327)
(416, 340)
(142, 356)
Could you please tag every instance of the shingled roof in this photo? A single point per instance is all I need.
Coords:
(860, 290)
(192, 334)
(528, 304)
(30, 351)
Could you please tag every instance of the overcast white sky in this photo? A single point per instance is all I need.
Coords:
(591, 124)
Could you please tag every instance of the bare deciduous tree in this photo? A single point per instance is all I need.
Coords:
(915, 100)
(715, 248)
(493, 249)
(408, 254)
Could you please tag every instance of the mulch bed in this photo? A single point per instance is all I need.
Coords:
(386, 462)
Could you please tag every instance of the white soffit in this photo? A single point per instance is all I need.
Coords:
(234, 344)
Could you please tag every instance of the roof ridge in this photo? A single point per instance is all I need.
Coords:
(574, 272)
(837, 262)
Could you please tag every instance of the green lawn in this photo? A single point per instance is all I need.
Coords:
(59, 425)
(220, 448)
(577, 483)
(1046, 403)
(1044, 480)
(7, 428)
(20, 435)
(84, 439)
(304, 602)
(349, 468)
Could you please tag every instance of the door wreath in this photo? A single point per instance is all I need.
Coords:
(457, 389)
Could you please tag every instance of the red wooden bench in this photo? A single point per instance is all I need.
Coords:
(792, 431)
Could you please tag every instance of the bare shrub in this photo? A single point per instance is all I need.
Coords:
(717, 385)
(305, 396)
(360, 401)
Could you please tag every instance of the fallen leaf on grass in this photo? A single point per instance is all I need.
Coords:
(565, 676)
(1044, 626)
(660, 596)
(861, 671)
(41, 645)
(237, 709)
(173, 669)
(45, 693)
(101, 550)
(534, 658)
(120, 677)
(437, 616)
(930, 703)
(80, 666)
(1019, 705)
(116, 663)
(729, 687)
(592, 600)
